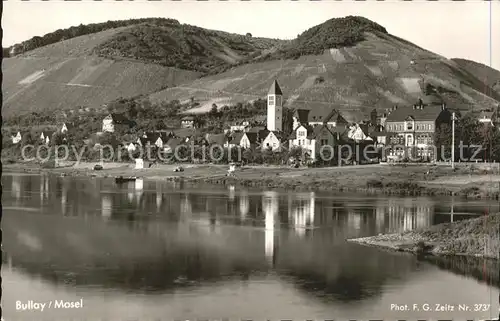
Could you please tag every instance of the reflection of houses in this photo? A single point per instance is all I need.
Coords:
(139, 186)
(16, 187)
(405, 214)
(301, 212)
(244, 205)
(106, 206)
(270, 209)
(44, 187)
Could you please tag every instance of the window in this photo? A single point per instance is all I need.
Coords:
(410, 140)
(324, 142)
(302, 134)
(278, 100)
(409, 126)
(270, 100)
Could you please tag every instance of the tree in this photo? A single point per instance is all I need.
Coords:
(442, 139)
(249, 35)
(214, 111)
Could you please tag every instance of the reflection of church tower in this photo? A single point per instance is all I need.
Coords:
(106, 206)
(275, 108)
(64, 196)
(244, 205)
(186, 208)
(270, 209)
(159, 196)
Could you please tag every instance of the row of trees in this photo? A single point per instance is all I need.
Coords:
(470, 132)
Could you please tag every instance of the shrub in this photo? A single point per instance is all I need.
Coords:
(374, 183)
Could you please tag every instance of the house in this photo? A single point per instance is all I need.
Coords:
(131, 147)
(65, 127)
(217, 139)
(46, 136)
(112, 121)
(312, 139)
(486, 117)
(272, 141)
(243, 126)
(235, 139)
(188, 121)
(414, 128)
(157, 139)
(318, 116)
(16, 138)
(357, 133)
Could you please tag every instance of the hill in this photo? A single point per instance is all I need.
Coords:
(489, 76)
(351, 63)
(67, 75)
(90, 65)
(379, 71)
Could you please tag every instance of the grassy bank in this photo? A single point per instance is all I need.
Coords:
(477, 237)
(383, 179)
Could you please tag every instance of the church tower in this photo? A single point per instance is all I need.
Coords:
(275, 108)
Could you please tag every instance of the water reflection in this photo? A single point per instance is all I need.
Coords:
(106, 206)
(301, 211)
(196, 238)
(270, 208)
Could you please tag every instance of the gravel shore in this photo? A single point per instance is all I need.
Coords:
(477, 237)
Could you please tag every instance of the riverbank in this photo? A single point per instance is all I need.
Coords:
(383, 179)
(478, 237)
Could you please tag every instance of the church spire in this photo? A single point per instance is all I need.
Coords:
(275, 89)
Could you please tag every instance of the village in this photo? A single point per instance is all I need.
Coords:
(405, 133)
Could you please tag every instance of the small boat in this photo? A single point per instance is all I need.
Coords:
(121, 179)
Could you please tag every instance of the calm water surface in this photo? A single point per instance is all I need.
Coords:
(149, 250)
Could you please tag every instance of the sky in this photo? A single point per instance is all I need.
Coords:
(468, 29)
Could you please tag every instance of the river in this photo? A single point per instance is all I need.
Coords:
(150, 250)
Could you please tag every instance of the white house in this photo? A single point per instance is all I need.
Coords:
(486, 117)
(46, 136)
(357, 134)
(16, 138)
(246, 141)
(110, 122)
(239, 127)
(130, 147)
(187, 122)
(272, 141)
(312, 139)
(65, 127)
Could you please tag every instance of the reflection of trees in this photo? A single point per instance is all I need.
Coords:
(165, 273)
(345, 275)
(483, 270)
